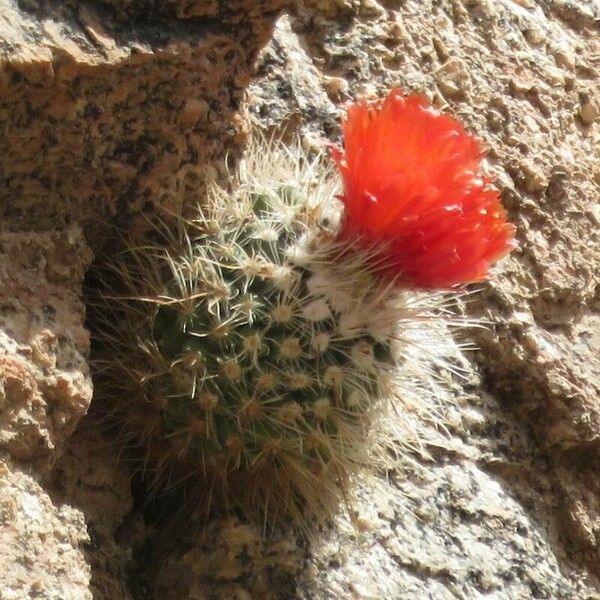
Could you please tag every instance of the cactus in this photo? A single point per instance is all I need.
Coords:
(250, 345)
(256, 353)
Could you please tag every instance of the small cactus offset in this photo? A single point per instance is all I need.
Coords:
(250, 347)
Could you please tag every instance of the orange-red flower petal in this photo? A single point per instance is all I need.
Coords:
(411, 185)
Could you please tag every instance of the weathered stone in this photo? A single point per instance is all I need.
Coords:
(541, 354)
(91, 478)
(588, 111)
(101, 117)
(42, 554)
(105, 111)
(45, 385)
(110, 107)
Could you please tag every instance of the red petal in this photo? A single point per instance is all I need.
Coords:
(410, 182)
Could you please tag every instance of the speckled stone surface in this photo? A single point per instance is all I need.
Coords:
(41, 542)
(109, 108)
(523, 76)
(102, 117)
(46, 384)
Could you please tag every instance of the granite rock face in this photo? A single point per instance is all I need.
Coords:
(46, 386)
(102, 117)
(41, 542)
(109, 108)
(523, 76)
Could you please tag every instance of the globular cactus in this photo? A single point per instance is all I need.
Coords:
(251, 343)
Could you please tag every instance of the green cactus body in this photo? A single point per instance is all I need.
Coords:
(253, 349)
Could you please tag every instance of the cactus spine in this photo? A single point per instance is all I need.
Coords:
(247, 350)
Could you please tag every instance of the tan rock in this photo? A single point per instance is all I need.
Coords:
(42, 542)
(44, 376)
(98, 114)
(104, 113)
(588, 111)
(453, 79)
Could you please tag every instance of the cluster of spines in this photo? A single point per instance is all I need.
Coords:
(261, 337)
(262, 356)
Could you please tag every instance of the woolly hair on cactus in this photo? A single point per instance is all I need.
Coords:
(249, 348)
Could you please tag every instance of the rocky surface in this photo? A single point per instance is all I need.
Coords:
(107, 108)
(524, 77)
(103, 113)
(102, 117)
(46, 386)
(42, 543)
(48, 543)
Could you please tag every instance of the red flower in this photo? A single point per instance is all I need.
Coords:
(411, 184)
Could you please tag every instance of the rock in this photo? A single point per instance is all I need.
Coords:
(41, 542)
(291, 89)
(45, 385)
(588, 111)
(453, 79)
(544, 370)
(535, 36)
(91, 478)
(531, 177)
(110, 108)
(99, 113)
(336, 87)
(105, 109)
